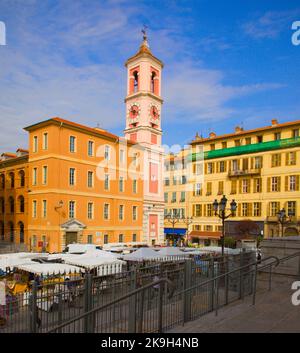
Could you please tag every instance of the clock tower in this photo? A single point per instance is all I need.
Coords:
(143, 126)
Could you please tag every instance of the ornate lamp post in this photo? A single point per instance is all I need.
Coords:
(220, 211)
(187, 221)
(283, 219)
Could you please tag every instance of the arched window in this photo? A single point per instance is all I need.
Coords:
(2, 230)
(22, 178)
(11, 231)
(2, 205)
(21, 204)
(2, 181)
(12, 179)
(153, 74)
(21, 229)
(135, 82)
(11, 202)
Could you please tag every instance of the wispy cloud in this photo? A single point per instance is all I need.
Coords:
(270, 24)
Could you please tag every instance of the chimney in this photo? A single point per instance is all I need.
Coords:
(274, 122)
(238, 129)
(212, 135)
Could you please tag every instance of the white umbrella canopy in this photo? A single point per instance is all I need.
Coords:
(141, 254)
(170, 251)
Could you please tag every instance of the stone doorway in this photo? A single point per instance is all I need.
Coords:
(71, 238)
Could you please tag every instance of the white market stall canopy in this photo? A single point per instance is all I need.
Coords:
(170, 251)
(49, 268)
(142, 254)
(13, 262)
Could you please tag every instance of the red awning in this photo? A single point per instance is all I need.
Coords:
(205, 234)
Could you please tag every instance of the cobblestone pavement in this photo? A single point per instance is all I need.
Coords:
(273, 312)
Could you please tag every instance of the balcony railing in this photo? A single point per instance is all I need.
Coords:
(245, 172)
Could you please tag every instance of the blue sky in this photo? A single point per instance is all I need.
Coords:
(227, 63)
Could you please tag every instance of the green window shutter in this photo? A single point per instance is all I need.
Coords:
(268, 184)
(297, 182)
(287, 158)
(279, 183)
(286, 183)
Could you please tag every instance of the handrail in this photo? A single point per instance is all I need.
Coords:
(228, 273)
(99, 308)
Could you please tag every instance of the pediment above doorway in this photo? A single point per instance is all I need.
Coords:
(73, 225)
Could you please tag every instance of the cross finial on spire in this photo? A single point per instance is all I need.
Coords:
(144, 31)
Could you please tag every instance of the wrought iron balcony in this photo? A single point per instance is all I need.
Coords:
(244, 172)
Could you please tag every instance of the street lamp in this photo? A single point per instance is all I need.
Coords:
(173, 219)
(220, 211)
(283, 219)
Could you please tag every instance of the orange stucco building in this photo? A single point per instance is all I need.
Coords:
(87, 185)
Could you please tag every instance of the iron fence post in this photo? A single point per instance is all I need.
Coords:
(59, 310)
(226, 281)
(270, 278)
(254, 285)
(89, 323)
(299, 266)
(212, 289)
(160, 302)
(187, 298)
(33, 308)
(132, 303)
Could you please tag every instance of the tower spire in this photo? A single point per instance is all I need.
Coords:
(145, 37)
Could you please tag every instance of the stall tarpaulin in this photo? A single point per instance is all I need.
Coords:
(2, 293)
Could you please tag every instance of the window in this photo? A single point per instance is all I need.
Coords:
(198, 189)
(209, 210)
(106, 211)
(291, 158)
(107, 153)
(166, 197)
(257, 209)
(237, 143)
(44, 211)
(259, 139)
(212, 147)
(295, 133)
(275, 184)
(198, 210)
(135, 159)
(105, 240)
(34, 176)
(291, 208)
(35, 144)
(174, 180)
(292, 183)
(45, 174)
(173, 196)
(11, 202)
(45, 141)
(245, 186)
(167, 181)
(22, 178)
(277, 136)
(224, 144)
(134, 237)
(257, 185)
(135, 82)
(248, 141)
(152, 85)
(258, 162)
(106, 182)
(245, 209)
(121, 212)
(72, 176)
(209, 188)
(90, 210)
(2, 205)
(274, 208)
(72, 144)
(134, 186)
(182, 196)
(122, 156)
(222, 167)
(121, 238)
(245, 163)
(276, 160)
(2, 181)
(183, 180)
(72, 209)
(121, 184)
(12, 179)
(34, 208)
(235, 165)
(233, 187)
(221, 188)
(210, 168)
(134, 213)
(90, 179)
(90, 148)
(90, 239)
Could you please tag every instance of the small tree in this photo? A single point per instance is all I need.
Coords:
(230, 242)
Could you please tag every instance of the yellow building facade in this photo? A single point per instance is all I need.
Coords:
(259, 169)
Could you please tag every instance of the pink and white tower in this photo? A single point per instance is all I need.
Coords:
(143, 125)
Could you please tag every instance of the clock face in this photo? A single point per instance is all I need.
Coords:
(154, 112)
(134, 111)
